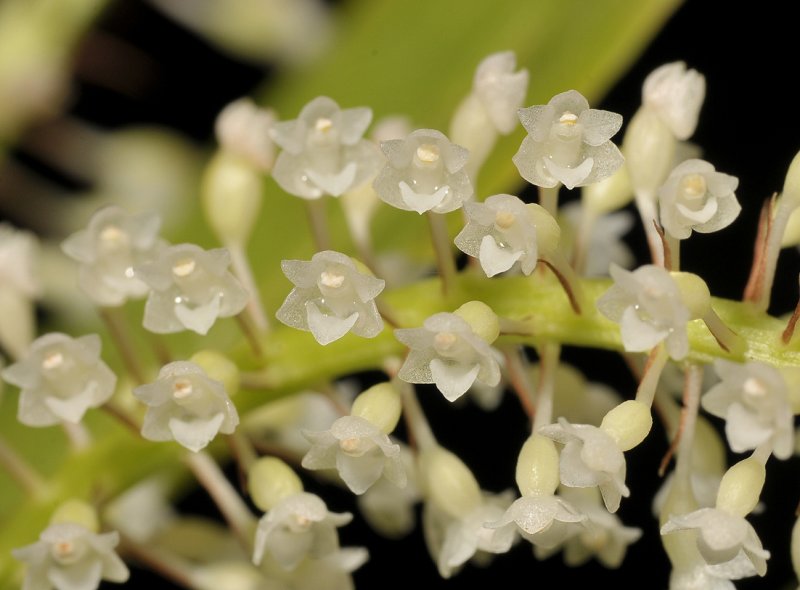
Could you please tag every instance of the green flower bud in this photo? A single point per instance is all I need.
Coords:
(628, 424)
(231, 197)
(77, 512)
(481, 319)
(537, 467)
(219, 368)
(741, 487)
(270, 480)
(448, 482)
(380, 405)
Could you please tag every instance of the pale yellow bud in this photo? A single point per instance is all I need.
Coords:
(231, 197)
(448, 483)
(77, 512)
(795, 547)
(537, 467)
(219, 368)
(694, 293)
(649, 149)
(609, 194)
(548, 233)
(270, 480)
(791, 184)
(481, 319)
(381, 405)
(628, 424)
(741, 487)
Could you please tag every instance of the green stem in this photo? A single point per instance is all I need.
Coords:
(25, 475)
(442, 249)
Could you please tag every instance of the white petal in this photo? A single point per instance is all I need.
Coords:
(422, 202)
(201, 318)
(452, 379)
(334, 184)
(495, 259)
(195, 434)
(570, 177)
(328, 328)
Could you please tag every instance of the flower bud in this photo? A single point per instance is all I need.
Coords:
(741, 486)
(791, 184)
(694, 293)
(628, 424)
(231, 575)
(231, 197)
(609, 194)
(219, 368)
(77, 512)
(649, 149)
(270, 480)
(481, 319)
(537, 467)
(448, 482)
(380, 405)
(548, 233)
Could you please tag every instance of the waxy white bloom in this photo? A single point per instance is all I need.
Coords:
(500, 89)
(453, 541)
(425, 172)
(447, 352)
(191, 288)
(331, 297)
(359, 450)
(324, 152)
(500, 232)
(568, 142)
(242, 128)
(676, 94)
(187, 406)
(108, 250)
(546, 521)
(727, 543)
(604, 536)
(590, 457)
(648, 306)
(753, 400)
(299, 525)
(69, 556)
(60, 378)
(696, 197)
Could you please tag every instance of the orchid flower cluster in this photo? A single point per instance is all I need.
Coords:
(472, 332)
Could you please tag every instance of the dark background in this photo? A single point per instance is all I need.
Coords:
(749, 127)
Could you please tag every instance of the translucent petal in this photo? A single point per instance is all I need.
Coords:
(359, 473)
(195, 434)
(453, 380)
(83, 575)
(537, 121)
(327, 328)
(570, 177)
(291, 174)
(421, 202)
(199, 319)
(639, 335)
(599, 126)
(495, 259)
(334, 184)
(354, 124)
